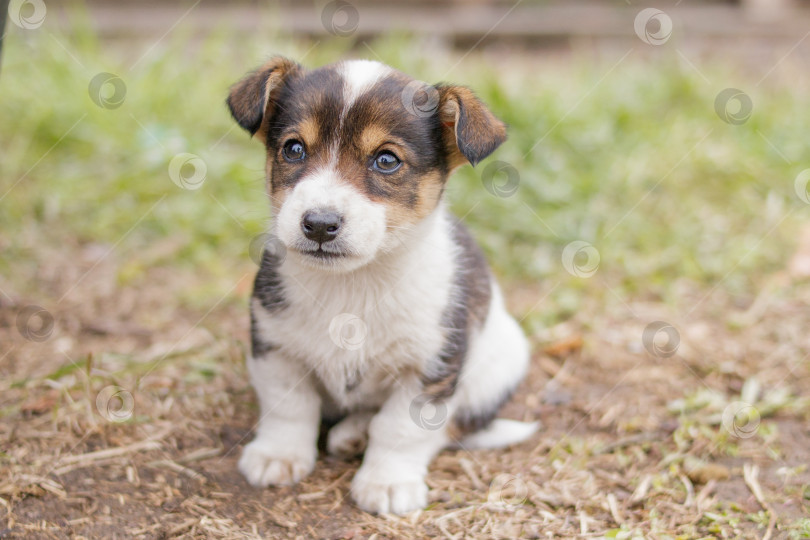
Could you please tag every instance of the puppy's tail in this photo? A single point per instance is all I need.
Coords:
(500, 432)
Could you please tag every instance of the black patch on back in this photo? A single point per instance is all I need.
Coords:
(467, 312)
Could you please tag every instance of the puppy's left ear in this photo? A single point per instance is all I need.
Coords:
(252, 100)
(471, 132)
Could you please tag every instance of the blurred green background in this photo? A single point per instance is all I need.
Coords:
(623, 151)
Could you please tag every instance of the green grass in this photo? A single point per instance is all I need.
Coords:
(635, 162)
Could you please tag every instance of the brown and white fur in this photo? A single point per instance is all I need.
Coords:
(434, 353)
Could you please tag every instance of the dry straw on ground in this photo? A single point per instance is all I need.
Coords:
(633, 445)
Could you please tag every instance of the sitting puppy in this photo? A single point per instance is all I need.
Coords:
(373, 308)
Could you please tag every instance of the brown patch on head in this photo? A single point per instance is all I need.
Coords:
(428, 193)
(276, 198)
(309, 105)
(309, 131)
(378, 122)
(281, 102)
(372, 137)
(429, 145)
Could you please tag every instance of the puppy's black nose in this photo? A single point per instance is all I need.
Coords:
(321, 225)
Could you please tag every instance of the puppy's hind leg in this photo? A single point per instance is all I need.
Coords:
(497, 362)
(349, 437)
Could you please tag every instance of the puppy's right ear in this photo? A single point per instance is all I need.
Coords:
(251, 100)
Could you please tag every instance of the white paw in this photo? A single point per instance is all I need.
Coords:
(382, 492)
(264, 463)
(349, 437)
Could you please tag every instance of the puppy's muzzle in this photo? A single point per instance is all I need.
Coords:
(321, 225)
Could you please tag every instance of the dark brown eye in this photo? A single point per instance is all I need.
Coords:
(294, 150)
(386, 162)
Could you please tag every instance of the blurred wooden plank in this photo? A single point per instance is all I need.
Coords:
(450, 20)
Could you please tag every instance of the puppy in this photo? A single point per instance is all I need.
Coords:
(373, 308)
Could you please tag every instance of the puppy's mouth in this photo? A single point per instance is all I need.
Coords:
(328, 251)
(322, 254)
(329, 256)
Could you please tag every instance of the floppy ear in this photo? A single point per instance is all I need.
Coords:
(470, 131)
(251, 99)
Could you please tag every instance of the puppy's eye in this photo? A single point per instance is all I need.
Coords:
(294, 150)
(386, 162)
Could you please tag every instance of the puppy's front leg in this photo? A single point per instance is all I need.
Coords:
(285, 447)
(403, 438)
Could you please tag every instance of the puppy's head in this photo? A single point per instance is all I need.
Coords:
(357, 153)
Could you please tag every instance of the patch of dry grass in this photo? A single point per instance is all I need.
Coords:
(117, 427)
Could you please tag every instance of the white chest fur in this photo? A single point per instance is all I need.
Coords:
(359, 331)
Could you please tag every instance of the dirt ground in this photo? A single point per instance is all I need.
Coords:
(125, 419)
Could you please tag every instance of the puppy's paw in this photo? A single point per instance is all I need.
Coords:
(346, 443)
(265, 464)
(349, 437)
(382, 492)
